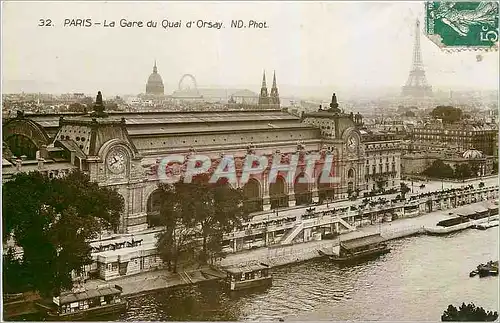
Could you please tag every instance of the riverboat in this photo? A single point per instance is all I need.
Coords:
(248, 276)
(474, 216)
(358, 249)
(484, 270)
(83, 303)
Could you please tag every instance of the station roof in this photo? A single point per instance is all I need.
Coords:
(151, 123)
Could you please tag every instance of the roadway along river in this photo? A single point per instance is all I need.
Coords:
(415, 282)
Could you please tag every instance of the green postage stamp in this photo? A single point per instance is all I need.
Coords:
(462, 25)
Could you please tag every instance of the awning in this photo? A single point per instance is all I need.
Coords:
(245, 269)
(480, 209)
(88, 294)
(466, 211)
(362, 241)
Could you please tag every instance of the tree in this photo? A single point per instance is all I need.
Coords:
(52, 220)
(438, 169)
(469, 313)
(462, 171)
(179, 235)
(448, 114)
(409, 114)
(203, 210)
(404, 189)
(381, 184)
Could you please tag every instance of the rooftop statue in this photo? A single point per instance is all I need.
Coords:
(334, 106)
(98, 99)
(99, 106)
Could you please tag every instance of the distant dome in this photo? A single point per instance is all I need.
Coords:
(155, 83)
(472, 154)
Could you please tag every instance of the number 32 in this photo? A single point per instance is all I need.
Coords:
(45, 23)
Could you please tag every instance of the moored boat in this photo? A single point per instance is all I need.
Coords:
(249, 276)
(358, 249)
(449, 225)
(484, 226)
(83, 303)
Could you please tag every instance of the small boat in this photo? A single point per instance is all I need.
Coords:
(358, 249)
(83, 303)
(484, 226)
(485, 270)
(248, 276)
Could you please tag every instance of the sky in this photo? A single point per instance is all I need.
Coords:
(340, 45)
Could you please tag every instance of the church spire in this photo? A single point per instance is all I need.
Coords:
(275, 97)
(264, 97)
(155, 69)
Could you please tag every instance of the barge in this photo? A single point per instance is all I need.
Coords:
(468, 217)
(249, 276)
(84, 303)
(358, 249)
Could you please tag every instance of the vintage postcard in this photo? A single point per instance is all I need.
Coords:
(250, 161)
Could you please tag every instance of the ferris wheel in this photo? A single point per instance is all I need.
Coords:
(187, 82)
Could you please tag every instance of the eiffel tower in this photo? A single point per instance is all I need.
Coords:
(417, 86)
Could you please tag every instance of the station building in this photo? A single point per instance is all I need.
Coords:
(57, 143)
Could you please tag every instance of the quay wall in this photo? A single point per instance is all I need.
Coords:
(280, 255)
(401, 233)
(288, 254)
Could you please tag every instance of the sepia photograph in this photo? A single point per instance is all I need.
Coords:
(250, 161)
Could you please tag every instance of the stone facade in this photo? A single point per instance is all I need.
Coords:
(462, 136)
(123, 151)
(383, 160)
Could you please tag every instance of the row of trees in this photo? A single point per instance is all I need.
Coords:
(195, 217)
(52, 220)
(438, 169)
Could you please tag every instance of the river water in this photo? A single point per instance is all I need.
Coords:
(416, 281)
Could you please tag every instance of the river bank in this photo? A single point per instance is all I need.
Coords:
(275, 256)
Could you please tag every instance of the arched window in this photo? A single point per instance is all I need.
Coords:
(277, 193)
(301, 188)
(252, 195)
(153, 208)
(325, 190)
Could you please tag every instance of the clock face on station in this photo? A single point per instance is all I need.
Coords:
(116, 160)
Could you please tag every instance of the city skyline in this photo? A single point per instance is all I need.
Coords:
(307, 44)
